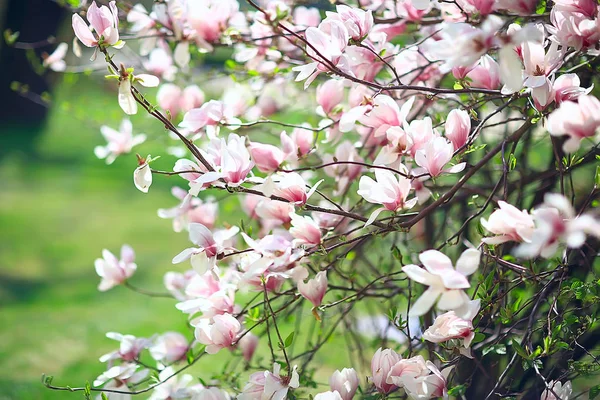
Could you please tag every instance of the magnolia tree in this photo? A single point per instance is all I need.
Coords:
(427, 229)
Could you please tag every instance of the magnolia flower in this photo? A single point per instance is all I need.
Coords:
(204, 257)
(305, 231)
(247, 345)
(314, 290)
(129, 349)
(358, 22)
(170, 97)
(119, 142)
(292, 187)
(191, 209)
(169, 347)
(142, 175)
(55, 61)
(575, 120)
(127, 101)
(173, 386)
(449, 326)
(270, 385)
(335, 395)
(508, 224)
(388, 190)
(562, 391)
(458, 127)
(119, 376)
(445, 282)
(381, 364)
(556, 222)
(434, 156)
(104, 21)
(210, 114)
(345, 382)
(485, 74)
(386, 113)
(329, 95)
(235, 160)
(221, 333)
(567, 87)
(114, 271)
(407, 369)
(428, 386)
(266, 157)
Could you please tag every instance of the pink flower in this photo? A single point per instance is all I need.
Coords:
(445, 282)
(119, 142)
(247, 345)
(562, 391)
(485, 74)
(358, 22)
(386, 113)
(335, 395)
(235, 160)
(407, 369)
(305, 231)
(314, 290)
(221, 333)
(114, 271)
(129, 349)
(436, 154)
(173, 386)
(120, 376)
(381, 365)
(142, 175)
(556, 222)
(191, 209)
(292, 187)
(210, 19)
(458, 127)
(55, 61)
(304, 16)
(345, 382)
(449, 326)
(274, 211)
(330, 94)
(585, 7)
(270, 385)
(208, 295)
(169, 347)
(567, 87)
(170, 97)
(428, 386)
(575, 120)
(298, 144)
(204, 257)
(508, 224)
(267, 157)
(211, 114)
(104, 21)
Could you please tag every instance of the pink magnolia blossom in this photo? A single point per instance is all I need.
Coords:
(381, 365)
(407, 370)
(235, 160)
(292, 187)
(444, 281)
(575, 120)
(114, 271)
(176, 283)
(221, 333)
(55, 61)
(204, 257)
(169, 347)
(119, 142)
(170, 97)
(567, 87)
(449, 326)
(209, 295)
(191, 209)
(389, 190)
(298, 144)
(267, 157)
(210, 19)
(270, 385)
(328, 42)
(329, 95)
(120, 376)
(563, 391)
(105, 23)
(573, 29)
(173, 386)
(435, 155)
(345, 382)
(305, 231)
(130, 347)
(429, 386)
(210, 114)
(314, 290)
(358, 22)
(458, 127)
(556, 222)
(386, 113)
(161, 63)
(247, 345)
(485, 74)
(508, 224)
(274, 212)
(306, 17)
(330, 395)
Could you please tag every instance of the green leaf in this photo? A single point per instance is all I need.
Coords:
(541, 7)
(104, 397)
(289, 340)
(594, 392)
(10, 37)
(519, 349)
(597, 177)
(458, 85)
